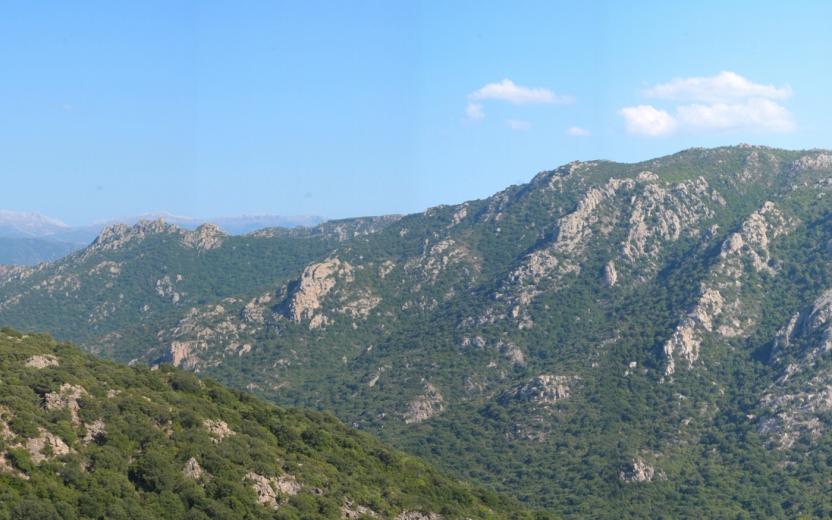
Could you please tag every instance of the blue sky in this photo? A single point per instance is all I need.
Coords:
(353, 108)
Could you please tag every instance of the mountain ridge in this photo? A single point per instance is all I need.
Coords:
(602, 340)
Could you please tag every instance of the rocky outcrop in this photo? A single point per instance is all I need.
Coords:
(204, 238)
(418, 515)
(118, 236)
(545, 389)
(206, 335)
(637, 471)
(314, 285)
(66, 398)
(166, 289)
(183, 354)
(360, 306)
(720, 309)
(425, 406)
(96, 431)
(561, 256)
(352, 511)
(610, 274)
(687, 338)
(801, 398)
(45, 446)
(218, 429)
(819, 161)
(271, 491)
(661, 215)
(193, 470)
(39, 362)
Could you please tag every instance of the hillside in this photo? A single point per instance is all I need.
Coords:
(84, 438)
(609, 339)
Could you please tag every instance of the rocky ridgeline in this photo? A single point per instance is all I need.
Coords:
(119, 236)
(652, 214)
(720, 309)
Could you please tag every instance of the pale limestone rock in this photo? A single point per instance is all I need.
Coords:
(118, 236)
(821, 161)
(40, 362)
(437, 258)
(512, 353)
(647, 176)
(425, 406)
(46, 446)
(459, 215)
(106, 267)
(95, 430)
(687, 337)
(183, 354)
(418, 515)
(165, 288)
(218, 429)
(386, 268)
(610, 274)
(288, 485)
(204, 238)
(66, 397)
(266, 494)
(637, 471)
(315, 283)
(544, 389)
(192, 469)
(269, 490)
(361, 306)
(660, 215)
(352, 511)
(795, 405)
(720, 308)
(563, 255)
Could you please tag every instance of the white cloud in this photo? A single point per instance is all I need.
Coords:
(518, 124)
(757, 113)
(577, 131)
(474, 111)
(507, 90)
(648, 120)
(722, 102)
(723, 87)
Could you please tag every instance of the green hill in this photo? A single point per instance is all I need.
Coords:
(84, 438)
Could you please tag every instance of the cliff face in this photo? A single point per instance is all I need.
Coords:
(602, 319)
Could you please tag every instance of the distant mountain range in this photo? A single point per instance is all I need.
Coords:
(31, 238)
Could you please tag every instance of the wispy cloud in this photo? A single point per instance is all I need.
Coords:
(507, 90)
(577, 131)
(648, 120)
(722, 102)
(757, 113)
(474, 111)
(725, 86)
(518, 124)
(510, 92)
